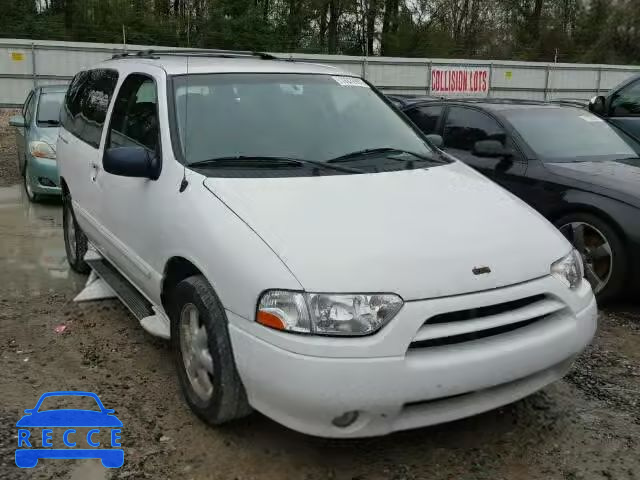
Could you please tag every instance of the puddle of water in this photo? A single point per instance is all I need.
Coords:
(32, 254)
(89, 470)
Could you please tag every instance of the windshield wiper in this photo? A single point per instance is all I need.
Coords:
(50, 122)
(371, 152)
(259, 161)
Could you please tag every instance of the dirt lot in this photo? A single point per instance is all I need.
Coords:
(585, 427)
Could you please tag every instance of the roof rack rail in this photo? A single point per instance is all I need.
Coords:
(195, 53)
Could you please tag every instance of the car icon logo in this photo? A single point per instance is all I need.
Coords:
(27, 454)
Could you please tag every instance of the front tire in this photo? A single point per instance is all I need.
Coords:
(202, 352)
(75, 241)
(26, 183)
(602, 250)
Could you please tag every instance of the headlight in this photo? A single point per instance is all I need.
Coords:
(569, 269)
(327, 314)
(42, 150)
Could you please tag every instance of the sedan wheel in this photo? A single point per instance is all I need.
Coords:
(603, 252)
(31, 195)
(595, 250)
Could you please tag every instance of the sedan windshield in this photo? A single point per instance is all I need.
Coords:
(567, 134)
(49, 108)
(308, 118)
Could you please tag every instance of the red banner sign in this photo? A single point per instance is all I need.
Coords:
(465, 81)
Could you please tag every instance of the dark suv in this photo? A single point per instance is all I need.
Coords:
(621, 106)
(579, 171)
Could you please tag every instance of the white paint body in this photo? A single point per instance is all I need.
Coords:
(416, 233)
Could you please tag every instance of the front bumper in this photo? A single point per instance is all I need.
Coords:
(417, 386)
(44, 176)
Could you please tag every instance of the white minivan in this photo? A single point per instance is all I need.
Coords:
(310, 254)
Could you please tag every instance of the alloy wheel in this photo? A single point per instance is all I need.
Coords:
(595, 250)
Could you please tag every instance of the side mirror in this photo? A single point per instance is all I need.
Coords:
(597, 105)
(17, 121)
(491, 149)
(131, 162)
(436, 140)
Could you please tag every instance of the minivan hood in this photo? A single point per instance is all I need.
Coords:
(416, 233)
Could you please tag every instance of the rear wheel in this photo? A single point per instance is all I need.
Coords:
(602, 251)
(75, 241)
(202, 351)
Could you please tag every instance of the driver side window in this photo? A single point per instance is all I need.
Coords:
(134, 122)
(626, 102)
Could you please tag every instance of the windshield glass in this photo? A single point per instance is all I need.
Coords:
(566, 134)
(49, 107)
(300, 116)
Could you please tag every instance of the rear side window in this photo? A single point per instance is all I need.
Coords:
(86, 104)
(426, 117)
(134, 122)
(464, 127)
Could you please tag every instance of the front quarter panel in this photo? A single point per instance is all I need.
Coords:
(235, 260)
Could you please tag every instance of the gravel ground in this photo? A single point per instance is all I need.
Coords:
(586, 426)
(8, 157)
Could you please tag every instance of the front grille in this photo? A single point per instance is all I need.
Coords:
(472, 324)
(468, 337)
(472, 313)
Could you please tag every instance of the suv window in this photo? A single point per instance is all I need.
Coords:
(87, 102)
(134, 121)
(626, 102)
(426, 117)
(464, 127)
(29, 108)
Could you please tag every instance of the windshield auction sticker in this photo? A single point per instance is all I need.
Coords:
(69, 433)
(350, 81)
(459, 81)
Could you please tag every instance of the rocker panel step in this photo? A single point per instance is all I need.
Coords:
(127, 293)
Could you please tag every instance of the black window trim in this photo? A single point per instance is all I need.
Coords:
(107, 138)
(92, 144)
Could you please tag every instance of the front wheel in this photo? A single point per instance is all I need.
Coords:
(202, 352)
(28, 188)
(75, 241)
(602, 251)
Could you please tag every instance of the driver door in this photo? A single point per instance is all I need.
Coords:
(132, 216)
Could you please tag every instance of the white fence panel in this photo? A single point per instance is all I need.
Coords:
(57, 62)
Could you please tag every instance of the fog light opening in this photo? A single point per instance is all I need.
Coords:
(346, 419)
(44, 181)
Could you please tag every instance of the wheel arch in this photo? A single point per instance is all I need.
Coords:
(176, 269)
(592, 210)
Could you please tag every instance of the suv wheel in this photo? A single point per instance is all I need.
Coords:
(602, 252)
(202, 352)
(75, 241)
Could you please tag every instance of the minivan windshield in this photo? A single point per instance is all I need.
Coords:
(567, 134)
(49, 109)
(299, 118)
